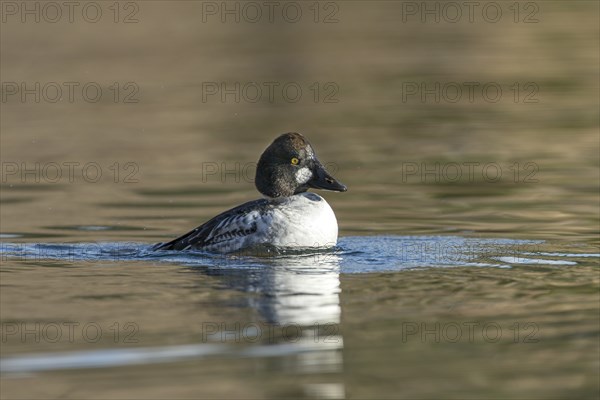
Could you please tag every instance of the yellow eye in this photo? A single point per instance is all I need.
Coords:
(295, 161)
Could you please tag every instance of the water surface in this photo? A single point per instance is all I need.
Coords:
(467, 265)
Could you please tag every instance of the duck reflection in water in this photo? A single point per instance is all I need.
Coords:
(297, 295)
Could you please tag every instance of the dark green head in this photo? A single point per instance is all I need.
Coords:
(289, 166)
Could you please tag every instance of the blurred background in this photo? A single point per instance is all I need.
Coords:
(365, 68)
(136, 121)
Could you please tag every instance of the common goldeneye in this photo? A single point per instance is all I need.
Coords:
(289, 216)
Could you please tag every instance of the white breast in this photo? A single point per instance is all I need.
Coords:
(304, 220)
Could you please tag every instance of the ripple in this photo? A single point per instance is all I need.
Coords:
(153, 355)
(520, 260)
(354, 254)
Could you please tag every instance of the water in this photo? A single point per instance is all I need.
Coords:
(322, 315)
(449, 280)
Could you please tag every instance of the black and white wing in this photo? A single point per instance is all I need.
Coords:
(224, 232)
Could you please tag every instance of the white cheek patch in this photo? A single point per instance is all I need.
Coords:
(303, 175)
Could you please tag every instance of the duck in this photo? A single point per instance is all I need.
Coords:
(288, 216)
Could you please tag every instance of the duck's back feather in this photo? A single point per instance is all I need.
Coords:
(229, 226)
